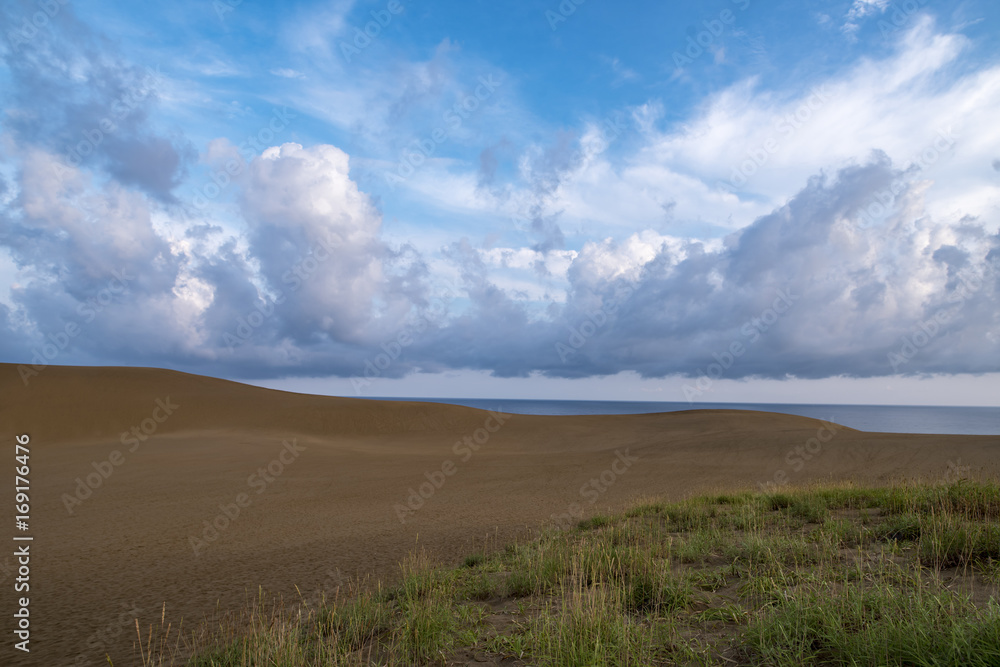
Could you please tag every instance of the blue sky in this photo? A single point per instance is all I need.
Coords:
(731, 200)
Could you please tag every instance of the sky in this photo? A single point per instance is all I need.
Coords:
(734, 200)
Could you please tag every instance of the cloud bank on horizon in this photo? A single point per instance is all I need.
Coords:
(567, 189)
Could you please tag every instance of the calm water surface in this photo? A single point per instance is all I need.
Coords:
(883, 418)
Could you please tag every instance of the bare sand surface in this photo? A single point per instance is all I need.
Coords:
(336, 472)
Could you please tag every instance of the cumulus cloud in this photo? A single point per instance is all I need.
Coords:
(316, 239)
(853, 289)
(93, 266)
(308, 283)
(852, 295)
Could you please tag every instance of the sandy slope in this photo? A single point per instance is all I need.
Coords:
(332, 508)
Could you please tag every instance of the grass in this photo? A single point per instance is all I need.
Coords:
(830, 575)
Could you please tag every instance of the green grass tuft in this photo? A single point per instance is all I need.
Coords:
(593, 522)
(474, 560)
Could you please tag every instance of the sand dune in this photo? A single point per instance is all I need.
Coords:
(306, 490)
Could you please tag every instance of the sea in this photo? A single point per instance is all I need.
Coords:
(878, 418)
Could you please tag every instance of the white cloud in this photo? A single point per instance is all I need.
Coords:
(301, 203)
(556, 261)
(316, 31)
(859, 11)
(90, 255)
(287, 73)
(622, 74)
(608, 260)
(763, 144)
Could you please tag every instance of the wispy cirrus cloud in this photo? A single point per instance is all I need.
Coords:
(287, 73)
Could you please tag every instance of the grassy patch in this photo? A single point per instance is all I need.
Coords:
(474, 560)
(879, 625)
(836, 575)
(593, 522)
